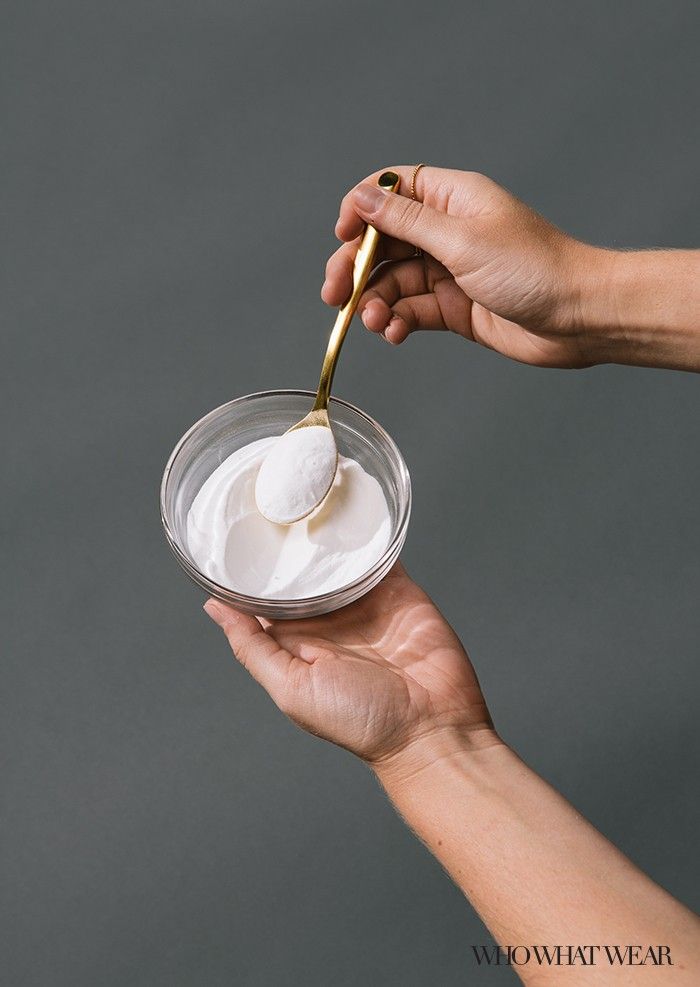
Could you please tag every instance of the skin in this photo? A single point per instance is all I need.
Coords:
(495, 272)
(373, 677)
(386, 677)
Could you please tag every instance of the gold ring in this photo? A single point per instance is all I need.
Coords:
(419, 252)
(413, 179)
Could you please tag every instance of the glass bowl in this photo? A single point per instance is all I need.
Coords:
(255, 416)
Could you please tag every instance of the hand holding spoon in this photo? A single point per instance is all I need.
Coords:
(298, 472)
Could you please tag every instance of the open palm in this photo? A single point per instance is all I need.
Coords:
(372, 677)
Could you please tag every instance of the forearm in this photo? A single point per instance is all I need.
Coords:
(641, 307)
(535, 870)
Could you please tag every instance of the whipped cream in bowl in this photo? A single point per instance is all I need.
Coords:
(315, 565)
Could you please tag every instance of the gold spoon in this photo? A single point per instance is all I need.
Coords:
(304, 493)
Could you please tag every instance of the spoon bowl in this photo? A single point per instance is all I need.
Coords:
(298, 472)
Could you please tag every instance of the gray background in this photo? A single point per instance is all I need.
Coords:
(171, 179)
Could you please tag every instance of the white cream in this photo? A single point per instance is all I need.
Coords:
(296, 474)
(235, 546)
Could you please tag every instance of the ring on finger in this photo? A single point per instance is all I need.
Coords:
(419, 252)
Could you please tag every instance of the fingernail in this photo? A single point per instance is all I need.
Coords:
(368, 199)
(388, 329)
(213, 611)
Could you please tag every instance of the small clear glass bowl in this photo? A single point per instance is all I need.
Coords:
(255, 416)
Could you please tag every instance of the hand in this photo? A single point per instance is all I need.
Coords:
(492, 269)
(376, 677)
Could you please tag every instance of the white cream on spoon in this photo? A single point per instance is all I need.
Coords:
(296, 474)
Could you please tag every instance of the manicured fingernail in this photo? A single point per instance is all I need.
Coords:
(368, 199)
(213, 611)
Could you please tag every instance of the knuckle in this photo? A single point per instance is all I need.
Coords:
(408, 218)
(340, 262)
(247, 651)
(405, 310)
(331, 264)
(366, 298)
(242, 653)
(478, 181)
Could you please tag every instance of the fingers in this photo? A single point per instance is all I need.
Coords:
(411, 295)
(405, 317)
(448, 191)
(406, 224)
(257, 651)
(389, 283)
(400, 280)
(425, 222)
(432, 185)
(412, 222)
(349, 224)
(399, 301)
(337, 287)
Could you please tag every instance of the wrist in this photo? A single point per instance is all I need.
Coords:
(637, 307)
(443, 746)
(605, 313)
(586, 276)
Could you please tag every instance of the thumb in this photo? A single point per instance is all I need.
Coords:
(256, 650)
(408, 220)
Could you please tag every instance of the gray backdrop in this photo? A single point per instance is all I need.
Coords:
(171, 180)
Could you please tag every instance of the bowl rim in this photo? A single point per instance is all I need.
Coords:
(298, 602)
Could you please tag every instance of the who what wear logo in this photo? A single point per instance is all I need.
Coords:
(611, 955)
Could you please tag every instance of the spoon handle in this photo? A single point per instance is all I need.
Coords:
(364, 262)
